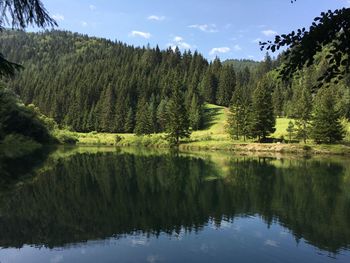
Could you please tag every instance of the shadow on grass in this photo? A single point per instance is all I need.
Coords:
(209, 117)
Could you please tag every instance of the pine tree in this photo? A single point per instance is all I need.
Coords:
(290, 129)
(129, 122)
(303, 108)
(162, 115)
(239, 120)
(263, 119)
(177, 124)
(326, 124)
(195, 113)
(227, 83)
(143, 124)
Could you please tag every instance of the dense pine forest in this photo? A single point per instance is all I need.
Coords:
(91, 84)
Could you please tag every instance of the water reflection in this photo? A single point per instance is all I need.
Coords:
(92, 196)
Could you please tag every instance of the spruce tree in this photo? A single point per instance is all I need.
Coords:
(239, 120)
(326, 124)
(195, 113)
(178, 125)
(303, 110)
(290, 129)
(143, 124)
(227, 83)
(129, 122)
(263, 119)
(162, 115)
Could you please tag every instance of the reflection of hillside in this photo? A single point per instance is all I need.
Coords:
(92, 196)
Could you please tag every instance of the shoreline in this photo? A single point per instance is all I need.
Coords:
(157, 141)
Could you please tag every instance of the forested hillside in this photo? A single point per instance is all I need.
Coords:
(93, 84)
(90, 84)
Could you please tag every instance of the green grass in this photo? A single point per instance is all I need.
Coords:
(212, 137)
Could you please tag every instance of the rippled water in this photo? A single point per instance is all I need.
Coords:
(107, 205)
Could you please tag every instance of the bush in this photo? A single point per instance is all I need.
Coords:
(66, 138)
(118, 139)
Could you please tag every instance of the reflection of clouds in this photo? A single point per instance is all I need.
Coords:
(139, 242)
(153, 258)
(57, 259)
(83, 251)
(283, 233)
(271, 243)
(204, 248)
(237, 228)
(258, 234)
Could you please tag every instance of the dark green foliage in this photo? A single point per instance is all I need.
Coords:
(239, 120)
(195, 113)
(227, 83)
(20, 14)
(263, 119)
(144, 123)
(326, 125)
(15, 118)
(91, 84)
(290, 129)
(129, 122)
(303, 108)
(178, 124)
(304, 44)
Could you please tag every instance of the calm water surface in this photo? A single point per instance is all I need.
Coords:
(107, 205)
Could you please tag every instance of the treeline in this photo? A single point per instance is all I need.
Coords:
(318, 112)
(92, 84)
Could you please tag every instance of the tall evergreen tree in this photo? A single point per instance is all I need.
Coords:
(143, 124)
(227, 83)
(239, 120)
(263, 119)
(178, 125)
(326, 124)
(303, 109)
(195, 113)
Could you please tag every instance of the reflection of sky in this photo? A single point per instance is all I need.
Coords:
(247, 239)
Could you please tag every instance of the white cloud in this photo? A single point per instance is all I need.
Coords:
(58, 17)
(135, 33)
(205, 28)
(92, 7)
(217, 50)
(178, 39)
(257, 40)
(83, 23)
(271, 243)
(269, 32)
(156, 18)
(237, 47)
(180, 43)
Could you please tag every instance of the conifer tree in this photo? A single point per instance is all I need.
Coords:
(239, 120)
(195, 113)
(326, 124)
(227, 83)
(129, 122)
(303, 110)
(143, 124)
(263, 119)
(290, 129)
(178, 125)
(162, 115)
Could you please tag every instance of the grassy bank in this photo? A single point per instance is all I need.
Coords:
(214, 137)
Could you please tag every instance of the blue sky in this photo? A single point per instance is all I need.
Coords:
(223, 28)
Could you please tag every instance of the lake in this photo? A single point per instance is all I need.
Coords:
(128, 205)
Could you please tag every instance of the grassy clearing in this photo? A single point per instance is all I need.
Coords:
(212, 137)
